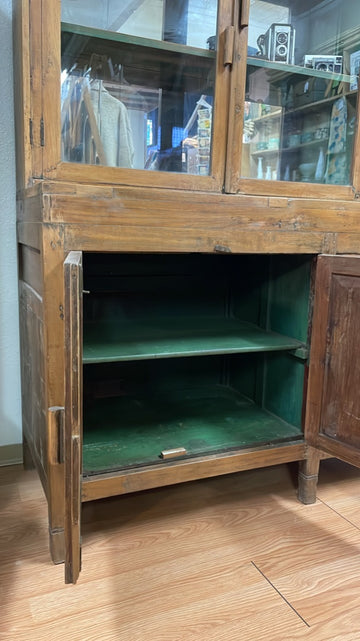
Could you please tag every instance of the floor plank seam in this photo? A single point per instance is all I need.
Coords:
(338, 513)
(279, 593)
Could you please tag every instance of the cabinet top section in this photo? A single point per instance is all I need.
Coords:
(149, 219)
(193, 95)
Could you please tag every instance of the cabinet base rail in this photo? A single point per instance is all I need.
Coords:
(105, 485)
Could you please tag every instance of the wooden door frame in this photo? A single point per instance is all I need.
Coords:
(234, 182)
(73, 413)
(55, 169)
(326, 266)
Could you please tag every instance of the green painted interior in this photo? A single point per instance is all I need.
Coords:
(202, 420)
(289, 293)
(239, 318)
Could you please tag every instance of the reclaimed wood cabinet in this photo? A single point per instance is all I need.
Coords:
(189, 243)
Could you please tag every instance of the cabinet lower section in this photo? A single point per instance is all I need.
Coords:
(189, 356)
(205, 415)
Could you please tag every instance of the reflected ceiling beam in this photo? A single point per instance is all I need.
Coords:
(129, 6)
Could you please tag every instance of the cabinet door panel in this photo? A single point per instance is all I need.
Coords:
(299, 106)
(73, 413)
(150, 92)
(333, 407)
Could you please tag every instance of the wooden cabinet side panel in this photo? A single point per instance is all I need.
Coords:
(33, 377)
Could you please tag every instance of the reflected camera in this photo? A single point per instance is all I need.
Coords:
(333, 64)
(278, 43)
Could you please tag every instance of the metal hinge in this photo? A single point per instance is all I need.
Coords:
(31, 133)
(42, 133)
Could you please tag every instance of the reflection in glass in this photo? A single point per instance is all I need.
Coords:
(138, 83)
(301, 90)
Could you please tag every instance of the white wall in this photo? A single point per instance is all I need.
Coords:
(10, 395)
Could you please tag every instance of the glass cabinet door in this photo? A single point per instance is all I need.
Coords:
(137, 83)
(301, 90)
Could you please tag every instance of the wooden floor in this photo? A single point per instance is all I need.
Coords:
(235, 558)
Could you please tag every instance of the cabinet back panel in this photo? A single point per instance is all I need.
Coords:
(132, 286)
(284, 387)
(289, 291)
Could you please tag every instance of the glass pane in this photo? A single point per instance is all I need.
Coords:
(301, 90)
(138, 83)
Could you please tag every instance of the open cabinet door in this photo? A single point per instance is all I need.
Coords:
(333, 401)
(73, 413)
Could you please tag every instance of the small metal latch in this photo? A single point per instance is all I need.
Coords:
(222, 249)
(31, 132)
(42, 133)
(173, 453)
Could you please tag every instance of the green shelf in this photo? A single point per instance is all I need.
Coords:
(283, 69)
(113, 342)
(144, 62)
(126, 432)
(137, 41)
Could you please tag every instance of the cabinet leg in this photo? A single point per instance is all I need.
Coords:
(57, 546)
(308, 476)
(27, 458)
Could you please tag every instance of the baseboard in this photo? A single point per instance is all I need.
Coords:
(11, 454)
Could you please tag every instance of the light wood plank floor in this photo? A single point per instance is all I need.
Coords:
(236, 558)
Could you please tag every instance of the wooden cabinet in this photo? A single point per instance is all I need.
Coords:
(184, 312)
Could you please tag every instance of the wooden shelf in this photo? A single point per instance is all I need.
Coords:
(304, 145)
(311, 106)
(314, 106)
(266, 152)
(202, 420)
(270, 116)
(113, 342)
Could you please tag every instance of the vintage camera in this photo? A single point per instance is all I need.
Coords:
(278, 43)
(332, 64)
